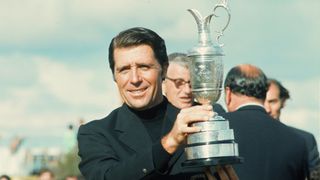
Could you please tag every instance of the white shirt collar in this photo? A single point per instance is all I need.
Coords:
(249, 104)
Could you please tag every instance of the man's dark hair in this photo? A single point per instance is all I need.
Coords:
(284, 93)
(140, 36)
(247, 80)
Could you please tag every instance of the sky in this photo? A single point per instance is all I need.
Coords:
(54, 67)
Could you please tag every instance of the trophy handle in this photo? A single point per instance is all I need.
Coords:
(222, 5)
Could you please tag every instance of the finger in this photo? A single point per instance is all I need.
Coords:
(231, 173)
(197, 108)
(191, 118)
(195, 112)
(222, 174)
(186, 120)
(209, 175)
(199, 112)
(193, 129)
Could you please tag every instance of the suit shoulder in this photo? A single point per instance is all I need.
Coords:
(104, 123)
(309, 137)
(302, 132)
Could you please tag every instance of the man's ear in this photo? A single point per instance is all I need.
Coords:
(228, 95)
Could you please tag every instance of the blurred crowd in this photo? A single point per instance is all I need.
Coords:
(43, 163)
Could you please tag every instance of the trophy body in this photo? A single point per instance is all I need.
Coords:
(214, 144)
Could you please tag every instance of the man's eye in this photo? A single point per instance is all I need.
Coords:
(123, 70)
(179, 82)
(144, 67)
(273, 101)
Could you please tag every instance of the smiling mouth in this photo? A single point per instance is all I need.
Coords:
(138, 92)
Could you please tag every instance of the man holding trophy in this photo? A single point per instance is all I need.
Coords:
(144, 138)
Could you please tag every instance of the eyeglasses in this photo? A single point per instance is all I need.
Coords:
(179, 83)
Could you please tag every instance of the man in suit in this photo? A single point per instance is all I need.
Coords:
(277, 96)
(142, 139)
(176, 85)
(270, 149)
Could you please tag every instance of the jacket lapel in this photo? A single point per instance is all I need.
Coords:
(170, 117)
(135, 136)
(133, 132)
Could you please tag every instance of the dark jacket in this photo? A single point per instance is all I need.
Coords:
(271, 150)
(119, 147)
(313, 153)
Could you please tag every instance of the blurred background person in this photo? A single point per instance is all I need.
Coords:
(46, 174)
(277, 96)
(177, 86)
(5, 177)
(71, 177)
(13, 158)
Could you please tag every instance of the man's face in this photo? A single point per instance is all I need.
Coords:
(138, 76)
(273, 103)
(177, 86)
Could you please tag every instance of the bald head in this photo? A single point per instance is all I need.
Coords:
(249, 70)
(247, 80)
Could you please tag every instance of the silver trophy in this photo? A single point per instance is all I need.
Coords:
(214, 144)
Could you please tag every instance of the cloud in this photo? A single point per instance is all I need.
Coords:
(304, 93)
(70, 85)
(24, 20)
(45, 22)
(45, 81)
(59, 94)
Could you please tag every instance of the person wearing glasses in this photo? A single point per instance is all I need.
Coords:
(177, 86)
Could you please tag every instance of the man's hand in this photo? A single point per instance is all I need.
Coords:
(224, 173)
(182, 128)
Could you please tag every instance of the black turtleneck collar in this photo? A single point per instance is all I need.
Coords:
(151, 113)
(153, 118)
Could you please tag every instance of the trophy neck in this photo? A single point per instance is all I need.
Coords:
(203, 24)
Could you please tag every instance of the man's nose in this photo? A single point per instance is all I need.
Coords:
(187, 88)
(267, 107)
(135, 76)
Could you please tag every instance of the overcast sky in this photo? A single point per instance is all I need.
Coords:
(53, 56)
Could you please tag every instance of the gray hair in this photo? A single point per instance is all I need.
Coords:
(179, 58)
